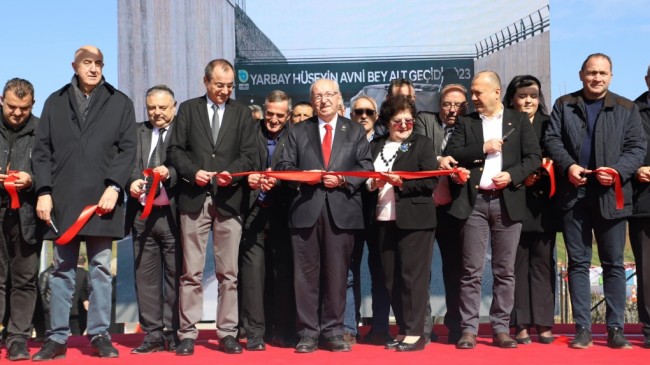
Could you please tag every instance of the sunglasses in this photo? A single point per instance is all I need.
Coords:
(407, 121)
(368, 112)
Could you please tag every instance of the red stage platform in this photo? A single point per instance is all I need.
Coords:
(79, 352)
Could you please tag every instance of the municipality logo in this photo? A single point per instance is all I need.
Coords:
(243, 75)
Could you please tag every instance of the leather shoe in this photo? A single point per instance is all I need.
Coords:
(349, 338)
(229, 345)
(467, 341)
(504, 341)
(616, 340)
(416, 346)
(18, 351)
(391, 344)
(149, 347)
(307, 344)
(103, 346)
(255, 344)
(185, 348)
(337, 344)
(51, 350)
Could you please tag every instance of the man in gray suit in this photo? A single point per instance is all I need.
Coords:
(439, 127)
(213, 133)
(324, 215)
(156, 239)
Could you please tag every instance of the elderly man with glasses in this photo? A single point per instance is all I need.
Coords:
(439, 127)
(324, 215)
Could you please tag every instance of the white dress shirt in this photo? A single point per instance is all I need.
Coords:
(492, 128)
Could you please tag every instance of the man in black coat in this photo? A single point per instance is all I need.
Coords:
(83, 155)
(500, 149)
(212, 134)
(265, 248)
(640, 220)
(324, 215)
(156, 239)
(19, 242)
(591, 129)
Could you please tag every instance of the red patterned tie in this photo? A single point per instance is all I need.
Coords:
(327, 144)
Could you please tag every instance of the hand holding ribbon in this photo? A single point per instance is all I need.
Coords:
(12, 190)
(71, 232)
(148, 205)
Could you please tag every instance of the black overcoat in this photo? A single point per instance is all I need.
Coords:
(76, 161)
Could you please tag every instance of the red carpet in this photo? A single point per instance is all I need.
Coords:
(206, 352)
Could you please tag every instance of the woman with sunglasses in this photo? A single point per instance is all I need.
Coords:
(534, 262)
(404, 218)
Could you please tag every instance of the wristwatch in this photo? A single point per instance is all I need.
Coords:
(115, 187)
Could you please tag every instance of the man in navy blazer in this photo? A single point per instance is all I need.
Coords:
(500, 148)
(324, 215)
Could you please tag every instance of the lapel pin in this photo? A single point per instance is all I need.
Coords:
(344, 127)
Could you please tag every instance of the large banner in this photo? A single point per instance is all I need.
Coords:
(255, 80)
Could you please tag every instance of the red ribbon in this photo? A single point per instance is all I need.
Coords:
(10, 186)
(547, 164)
(618, 189)
(313, 176)
(152, 192)
(85, 215)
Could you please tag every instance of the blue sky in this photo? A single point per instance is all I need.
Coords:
(40, 36)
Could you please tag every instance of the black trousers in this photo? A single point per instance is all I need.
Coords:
(157, 253)
(321, 259)
(451, 253)
(18, 263)
(534, 280)
(265, 274)
(640, 240)
(406, 258)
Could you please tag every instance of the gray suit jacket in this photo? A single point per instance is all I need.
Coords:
(428, 125)
(350, 152)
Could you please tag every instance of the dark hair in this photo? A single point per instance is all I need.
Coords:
(398, 84)
(160, 89)
(277, 96)
(594, 55)
(523, 81)
(395, 105)
(20, 87)
(220, 62)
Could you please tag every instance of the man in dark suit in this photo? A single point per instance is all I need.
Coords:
(500, 148)
(83, 155)
(212, 134)
(156, 239)
(439, 127)
(324, 215)
(265, 247)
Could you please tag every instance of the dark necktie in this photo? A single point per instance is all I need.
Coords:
(327, 144)
(447, 133)
(156, 158)
(215, 123)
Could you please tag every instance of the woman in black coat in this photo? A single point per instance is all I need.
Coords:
(534, 262)
(404, 218)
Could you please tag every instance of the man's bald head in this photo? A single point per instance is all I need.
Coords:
(87, 65)
(87, 51)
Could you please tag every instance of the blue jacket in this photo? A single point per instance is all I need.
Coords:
(619, 142)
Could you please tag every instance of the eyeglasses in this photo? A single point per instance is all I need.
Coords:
(221, 85)
(368, 112)
(448, 105)
(407, 121)
(326, 96)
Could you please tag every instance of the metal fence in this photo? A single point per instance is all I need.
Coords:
(535, 23)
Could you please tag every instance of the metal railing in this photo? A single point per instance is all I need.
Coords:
(535, 23)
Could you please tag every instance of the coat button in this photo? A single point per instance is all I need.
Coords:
(480, 169)
(476, 187)
(541, 192)
(213, 155)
